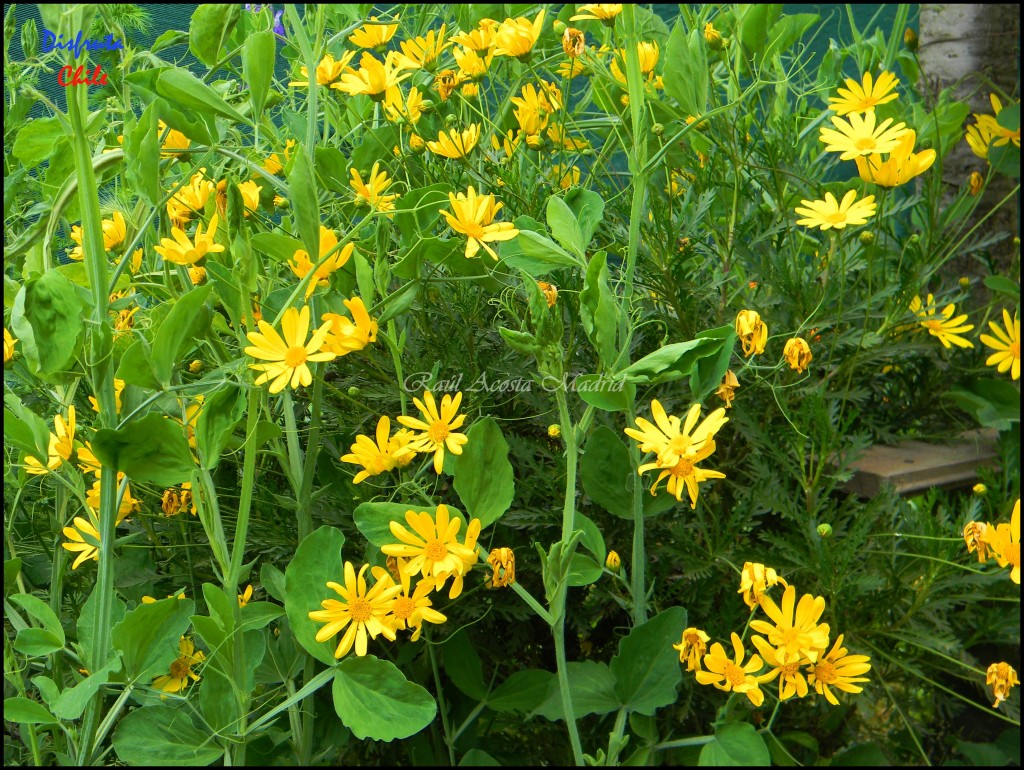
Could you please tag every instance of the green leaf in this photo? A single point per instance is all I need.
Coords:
(258, 57)
(686, 59)
(871, 755)
(375, 700)
(187, 122)
(373, 520)
(25, 429)
(12, 568)
(303, 196)
(605, 393)
(606, 473)
(332, 168)
(211, 24)
(583, 571)
(188, 319)
(40, 611)
(169, 38)
(36, 139)
(1003, 285)
(151, 449)
(592, 538)
(418, 210)
(709, 370)
(136, 366)
(563, 225)
(184, 90)
(47, 320)
(535, 254)
(148, 636)
(27, 712)
(463, 665)
(483, 475)
(272, 579)
(1005, 159)
(588, 208)
(278, 246)
(995, 403)
(142, 157)
(37, 642)
(753, 24)
(599, 310)
(521, 342)
(646, 668)
(591, 686)
(736, 744)
(787, 31)
(522, 691)
(217, 700)
(317, 560)
(87, 622)
(216, 423)
(163, 735)
(478, 758)
(670, 362)
(72, 701)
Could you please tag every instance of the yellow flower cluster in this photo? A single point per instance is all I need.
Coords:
(1001, 542)
(678, 447)
(428, 548)
(793, 647)
(436, 432)
(949, 330)
(986, 132)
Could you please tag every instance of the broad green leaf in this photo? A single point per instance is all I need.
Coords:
(418, 210)
(142, 157)
(463, 665)
(375, 700)
(136, 366)
(47, 320)
(86, 626)
(871, 755)
(184, 90)
(373, 520)
(191, 124)
(592, 538)
(736, 744)
(1003, 285)
(221, 606)
(169, 38)
(188, 319)
(209, 29)
(604, 392)
(151, 449)
(606, 473)
(686, 58)
(163, 735)
(754, 21)
(37, 642)
(25, 429)
(483, 474)
(670, 362)
(72, 701)
(216, 423)
(787, 31)
(272, 579)
(317, 560)
(40, 611)
(278, 246)
(12, 568)
(303, 196)
(522, 691)
(217, 700)
(23, 711)
(258, 57)
(563, 225)
(646, 668)
(591, 686)
(148, 636)
(331, 167)
(535, 254)
(36, 139)
(709, 370)
(521, 342)
(478, 758)
(583, 570)
(599, 310)
(588, 208)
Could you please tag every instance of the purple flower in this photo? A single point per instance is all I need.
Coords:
(254, 7)
(278, 25)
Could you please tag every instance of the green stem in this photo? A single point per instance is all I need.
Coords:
(305, 514)
(245, 496)
(448, 738)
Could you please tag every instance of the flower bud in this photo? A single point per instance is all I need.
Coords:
(979, 489)
(554, 430)
(613, 562)
(964, 282)
(416, 144)
(910, 39)
(353, 391)
(658, 129)
(451, 120)
(867, 237)
(975, 182)
(825, 530)
(713, 37)
(559, 26)
(29, 39)
(196, 366)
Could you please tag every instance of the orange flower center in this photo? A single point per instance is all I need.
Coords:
(934, 325)
(692, 639)
(836, 217)
(438, 431)
(825, 672)
(865, 143)
(360, 609)
(295, 356)
(180, 669)
(403, 608)
(789, 636)
(436, 550)
(734, 674)
(1014, 349)
(1012, 554)
(789, 670)
(682, 469)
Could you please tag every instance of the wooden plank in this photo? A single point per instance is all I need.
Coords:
(912, 466)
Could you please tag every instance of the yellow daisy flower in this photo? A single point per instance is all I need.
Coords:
(797, 353)
(175, 140)
(692, 647)
(422, 52)
(190, 199)
(902, 165)
(378, 456)
(373, 78)
(839, 670)
(860, 136)
(603, 12)
(371, 192)
(755, 579)
(733, 675)
(84, 538)
(785, 665)
(472, 65)
(61, 445)
(408, 108)
(182, 251)
(361, 612)
(437, 427)
(373, 35)
(455, 144)
(1002, 678)
(128, 506)
(1004, 542)
(831, 213)
(684, 475)
(946, 328)
(114, 231)
(349, 336)
(1006, 343)
(752, 331)
(327, 71)
(432, 547)
(472, 215)
(301, 264)
(288, 353)
(9, 342)
(479, 40)
(177, 679)
(516, 37)
(799, 633)
(245, 597)
(410, 609)
(864, 96)
(671, 439)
